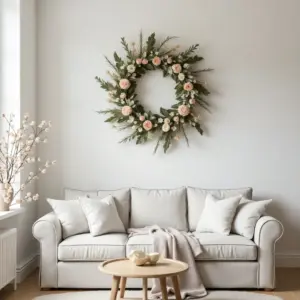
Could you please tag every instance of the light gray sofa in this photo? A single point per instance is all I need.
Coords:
(227, 261)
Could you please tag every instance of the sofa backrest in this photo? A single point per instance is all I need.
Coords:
(162, 207)
(121, 196)
(196, 200)
(179, 208)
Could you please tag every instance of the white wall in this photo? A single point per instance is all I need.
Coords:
(252, 136)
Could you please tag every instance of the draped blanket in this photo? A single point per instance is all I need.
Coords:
(179, 245)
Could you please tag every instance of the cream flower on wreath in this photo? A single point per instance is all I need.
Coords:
(147, 125)
(131, 68)
(124, 84)
(126, 110)
(188, 86)
(181, 76)
(176, 119)
(192, 101)
(131, 119)
(165, 127)
(156, 61)
(142, 118)
(122, 95)
(176, 68)
(183, 110)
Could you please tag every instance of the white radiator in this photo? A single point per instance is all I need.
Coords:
(8, 256)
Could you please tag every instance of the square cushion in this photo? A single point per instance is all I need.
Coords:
(196, 200)
(84, 247)
(247, 214)
(122, 201)
(165, 208)
(221, 247)
(215, 246)
(102, 215)
(217, 215)
(121, 196)
(70, 215)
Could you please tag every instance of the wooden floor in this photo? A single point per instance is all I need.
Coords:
(288, 287)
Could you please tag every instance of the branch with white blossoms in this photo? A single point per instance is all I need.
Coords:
(17, 151)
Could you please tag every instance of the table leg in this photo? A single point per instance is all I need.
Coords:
(122, 287)
(163, 288)
(176, 287)
(114, 288)
(145, 288)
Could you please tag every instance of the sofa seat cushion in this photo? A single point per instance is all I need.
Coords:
(215, 246)
(85, 247)
(220, 247)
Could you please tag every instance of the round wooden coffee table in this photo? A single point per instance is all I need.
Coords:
(122, 268)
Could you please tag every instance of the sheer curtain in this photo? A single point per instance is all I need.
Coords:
(10, 62)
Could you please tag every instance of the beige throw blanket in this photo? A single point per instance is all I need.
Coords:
(179, 245)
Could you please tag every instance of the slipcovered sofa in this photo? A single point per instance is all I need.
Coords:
(226, 262)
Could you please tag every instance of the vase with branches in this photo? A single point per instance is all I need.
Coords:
(17, 151)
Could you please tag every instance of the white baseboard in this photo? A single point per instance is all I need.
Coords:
(26, 267)
(288, 260)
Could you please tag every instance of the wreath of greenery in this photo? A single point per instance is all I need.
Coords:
(130, 113)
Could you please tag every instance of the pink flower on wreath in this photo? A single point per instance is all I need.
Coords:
(188, 86)
(156, 61)
(192, 101)
(147, 125)
(176, 68)
(124, 84)
(142, 118)
(138, 61)
(126, 110)
(183, 110)
(144, 61)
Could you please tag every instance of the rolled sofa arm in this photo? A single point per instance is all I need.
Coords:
(47, 230)
(268, 231)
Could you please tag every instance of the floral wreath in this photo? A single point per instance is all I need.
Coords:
(130, 114)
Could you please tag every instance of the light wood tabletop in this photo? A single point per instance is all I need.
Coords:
(123, 268)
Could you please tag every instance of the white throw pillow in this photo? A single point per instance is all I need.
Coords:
(122, 201)
(70, 215)
(196, 200)
(247, 214)
(217, 215)
(102, 216)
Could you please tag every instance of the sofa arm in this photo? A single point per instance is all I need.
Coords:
(268, 231)
(47, 230)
